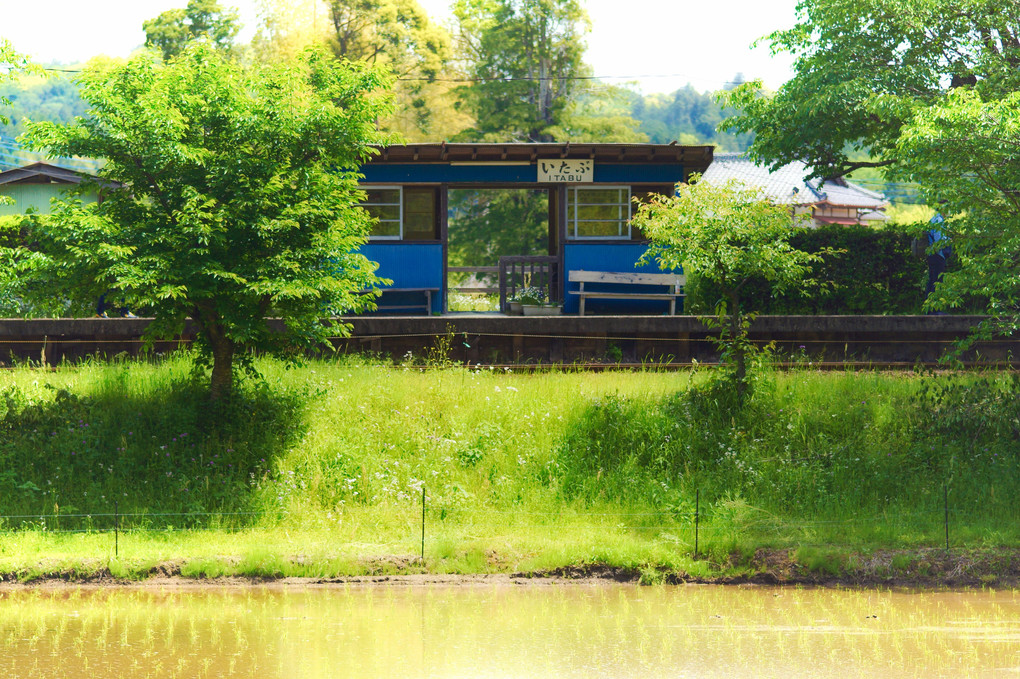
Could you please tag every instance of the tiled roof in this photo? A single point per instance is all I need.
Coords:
(787, 185)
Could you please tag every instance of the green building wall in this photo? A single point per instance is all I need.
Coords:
(36, 196)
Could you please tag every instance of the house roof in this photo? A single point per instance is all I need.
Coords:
(42, 173)
(788, 185)
(694, 158)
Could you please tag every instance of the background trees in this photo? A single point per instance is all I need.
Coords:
(172, 30)
(396, 34)
(234, 203)
(526, 57)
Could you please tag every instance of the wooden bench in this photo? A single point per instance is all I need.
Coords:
(427, 306)
(603, 279)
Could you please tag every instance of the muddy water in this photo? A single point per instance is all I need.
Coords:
(507, 631)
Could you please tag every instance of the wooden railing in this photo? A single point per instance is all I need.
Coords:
(536, 271)
(474, 270)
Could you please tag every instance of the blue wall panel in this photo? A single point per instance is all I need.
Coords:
(410, 265)
(639, 174)
(435, 173)
(440, 173)
(608, 257)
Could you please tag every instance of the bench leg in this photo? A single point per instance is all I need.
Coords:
(581, 308)
(672, 307)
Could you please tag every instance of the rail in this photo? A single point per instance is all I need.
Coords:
(474, 271)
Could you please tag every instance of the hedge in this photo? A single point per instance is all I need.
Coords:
(873, 273)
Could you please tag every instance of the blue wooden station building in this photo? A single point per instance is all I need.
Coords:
(590, 189)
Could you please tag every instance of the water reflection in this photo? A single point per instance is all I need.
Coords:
(507, 631)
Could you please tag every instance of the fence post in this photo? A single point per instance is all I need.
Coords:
(423, 524)
(697, 518)
(116, 529)
(945, 505)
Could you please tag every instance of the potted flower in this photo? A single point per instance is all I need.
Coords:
(534, 303)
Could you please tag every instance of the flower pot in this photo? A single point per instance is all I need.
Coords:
(516, 309)
(541, 310)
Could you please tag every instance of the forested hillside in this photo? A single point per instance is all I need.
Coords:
(34, 97)
(686, 115)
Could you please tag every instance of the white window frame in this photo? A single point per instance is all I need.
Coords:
(400, 206)
(572, 220)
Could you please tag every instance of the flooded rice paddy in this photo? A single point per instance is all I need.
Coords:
(571, 630)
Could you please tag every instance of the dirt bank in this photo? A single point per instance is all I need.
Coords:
(926, 569)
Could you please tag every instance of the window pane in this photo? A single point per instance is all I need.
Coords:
(601, 196)
(376, 196)
(384, 211)
(419, 227)
(599, 229)
(600, 211)
(390, 229)
(419, 201)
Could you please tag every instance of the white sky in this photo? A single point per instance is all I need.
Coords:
(663, 44)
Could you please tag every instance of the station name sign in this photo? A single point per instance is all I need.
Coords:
(570, 171)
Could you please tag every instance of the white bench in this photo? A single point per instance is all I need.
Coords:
(673, 282)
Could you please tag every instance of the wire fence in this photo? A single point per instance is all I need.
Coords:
(690, 529)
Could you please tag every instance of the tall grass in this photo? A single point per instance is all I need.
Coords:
(329, 461)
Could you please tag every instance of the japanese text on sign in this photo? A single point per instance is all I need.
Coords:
(572, 171)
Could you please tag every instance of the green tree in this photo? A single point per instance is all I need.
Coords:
(865, 68)
(730, 236)
(397, 34)
(229, 198)
(965, 154)
(528, 59)
(172, 30)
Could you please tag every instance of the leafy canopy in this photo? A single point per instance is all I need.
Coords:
(864, 68)
(174, 29)
(228, 197)
(965, 153)
(727, 234)
(11, 63)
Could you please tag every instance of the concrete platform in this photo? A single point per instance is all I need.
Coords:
(492, 338)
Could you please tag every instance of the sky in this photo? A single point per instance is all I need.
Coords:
(662, 45)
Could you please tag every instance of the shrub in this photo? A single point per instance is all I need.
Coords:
(873, 273)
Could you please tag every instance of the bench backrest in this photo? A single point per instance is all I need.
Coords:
(617, 277)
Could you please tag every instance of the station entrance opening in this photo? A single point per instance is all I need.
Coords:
(487, 224)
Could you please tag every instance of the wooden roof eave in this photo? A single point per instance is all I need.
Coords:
(696, 158)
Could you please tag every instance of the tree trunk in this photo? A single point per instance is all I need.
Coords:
(221, 347)
(222, 369)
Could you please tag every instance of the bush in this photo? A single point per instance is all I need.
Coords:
(874, 274)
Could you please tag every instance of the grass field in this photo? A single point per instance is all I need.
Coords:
(319, 470)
